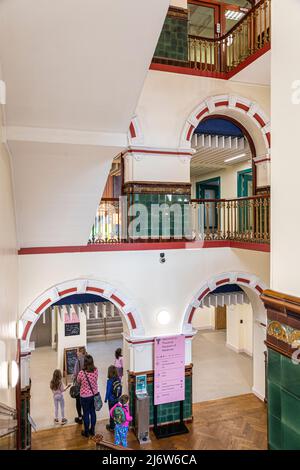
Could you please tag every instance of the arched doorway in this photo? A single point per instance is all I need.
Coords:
(250, 117)
(97, 301)
(252, 287)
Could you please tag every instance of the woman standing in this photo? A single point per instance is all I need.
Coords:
(88, 381)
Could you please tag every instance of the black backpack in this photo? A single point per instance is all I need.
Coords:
(117, 389)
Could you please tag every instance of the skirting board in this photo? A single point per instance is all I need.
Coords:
(239, 351)
(257, 394)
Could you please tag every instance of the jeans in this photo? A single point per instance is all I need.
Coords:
(121, 435)
(59, 400)
(89, 414)
(78, 407)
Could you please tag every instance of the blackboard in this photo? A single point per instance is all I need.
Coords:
(72, 329)
(70, 359)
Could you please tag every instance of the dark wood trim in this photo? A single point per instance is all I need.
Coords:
(178, 13)
(281, 302)
(277, 349)
(153, 187)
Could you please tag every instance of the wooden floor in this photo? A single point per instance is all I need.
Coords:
(237, 423)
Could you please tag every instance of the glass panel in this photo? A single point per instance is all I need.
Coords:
(201, 21)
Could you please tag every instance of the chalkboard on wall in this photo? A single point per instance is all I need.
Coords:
(70, 359)
(72, 329)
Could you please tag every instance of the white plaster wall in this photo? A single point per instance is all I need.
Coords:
(228, 179)
(64, 342)
(179, 3)
(8, 269)
(240, 335)
(166, 168)
(204, 318)
(152, 286)
(168, 99)
(285, 85)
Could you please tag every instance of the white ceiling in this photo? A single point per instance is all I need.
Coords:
(207, 160)
(74, 70)
(258, 73)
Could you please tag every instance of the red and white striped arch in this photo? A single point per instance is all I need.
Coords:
(128, 311)
(135, 135)
(242, 279)
(215, 104)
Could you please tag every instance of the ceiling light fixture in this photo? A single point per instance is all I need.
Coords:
(234, 158)
(163, 317)
(233, 15)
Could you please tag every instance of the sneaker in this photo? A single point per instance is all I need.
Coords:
(64, 421)
(109, 428)
(56, 421)
(84, 434)
(91, 433)
(78, 420)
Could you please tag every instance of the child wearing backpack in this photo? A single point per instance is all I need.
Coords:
(122, 418)
(113, 392)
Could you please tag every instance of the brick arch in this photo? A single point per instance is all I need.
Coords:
(128, 311)
(235, 103)
(135, 135)
(242, 279)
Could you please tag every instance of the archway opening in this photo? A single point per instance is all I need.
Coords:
(222, 348)
(82, 320)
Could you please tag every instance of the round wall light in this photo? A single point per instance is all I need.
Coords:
(163, 317)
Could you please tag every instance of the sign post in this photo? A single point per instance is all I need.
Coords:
(169, 381)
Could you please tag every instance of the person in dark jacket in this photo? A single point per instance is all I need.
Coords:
(81, 353)
(110, 396)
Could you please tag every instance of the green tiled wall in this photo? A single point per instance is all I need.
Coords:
(283, 402)
(170, 411)
(173, 41)
(148, 199)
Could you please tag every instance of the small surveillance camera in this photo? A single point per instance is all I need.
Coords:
(162, 258)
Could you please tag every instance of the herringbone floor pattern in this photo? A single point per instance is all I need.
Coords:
(236, 423)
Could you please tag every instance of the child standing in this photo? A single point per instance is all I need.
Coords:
(119, 362)
(57, 387)
(121, 416)
(113, 392)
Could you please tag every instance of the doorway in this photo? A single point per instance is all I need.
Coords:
(245, 183)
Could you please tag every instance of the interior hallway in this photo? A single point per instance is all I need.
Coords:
(237, 423)
(43, 363)
(218, 372)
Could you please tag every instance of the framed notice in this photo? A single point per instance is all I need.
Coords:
(169, 369)
(70, 357)
(141, 384)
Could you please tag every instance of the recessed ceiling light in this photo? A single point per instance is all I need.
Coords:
(233, 15)
(234, 158)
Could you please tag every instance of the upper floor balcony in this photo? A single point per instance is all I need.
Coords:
(172, 218)
(204, 39)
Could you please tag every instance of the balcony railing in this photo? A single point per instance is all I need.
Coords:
(224, 54)
(242, 219)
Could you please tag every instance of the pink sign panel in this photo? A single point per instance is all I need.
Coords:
(169, 369)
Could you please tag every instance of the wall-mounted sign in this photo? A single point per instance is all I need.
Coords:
(70, 357)
(169, 369)
(72, 329)
(141, 384)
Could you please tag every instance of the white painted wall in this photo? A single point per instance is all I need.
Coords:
(162, 168)
(228, 179)
(63, 341)
(168, 99)
(8, 269)
(240, 335)
(285, 85)
(179, 3)
(204, 318)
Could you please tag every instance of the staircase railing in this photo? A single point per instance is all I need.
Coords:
(102, 444)
(8, 427)
(240, 219)
(224, 54)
